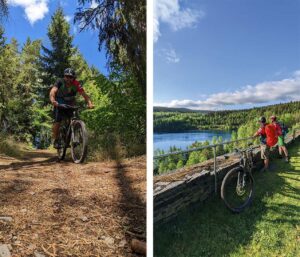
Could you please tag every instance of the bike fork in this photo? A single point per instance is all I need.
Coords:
(241, 180)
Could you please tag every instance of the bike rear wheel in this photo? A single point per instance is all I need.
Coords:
(79, 141)
(237, 189)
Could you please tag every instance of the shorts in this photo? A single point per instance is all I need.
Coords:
(60, 114)
(265, 152)
(281, 141)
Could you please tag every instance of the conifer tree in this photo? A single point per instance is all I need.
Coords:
(122, 31)
(58, 57)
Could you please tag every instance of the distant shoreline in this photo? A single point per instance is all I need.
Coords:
(191, 131)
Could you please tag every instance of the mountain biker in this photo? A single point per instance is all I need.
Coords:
(64, 92)
(264, 147)
(281, 133)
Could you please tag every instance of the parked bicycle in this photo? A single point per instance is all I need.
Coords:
(238, 185)
(72, 133)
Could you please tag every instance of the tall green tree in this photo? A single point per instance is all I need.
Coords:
(122, 31)
(57, 58)
(9, 70)
(30, 121)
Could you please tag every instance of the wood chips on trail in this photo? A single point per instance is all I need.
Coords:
(66, 209)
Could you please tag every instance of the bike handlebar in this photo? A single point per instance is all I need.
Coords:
(66, 106)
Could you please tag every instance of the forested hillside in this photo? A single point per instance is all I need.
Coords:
(243, 123)
(27, 71)
(223, 120)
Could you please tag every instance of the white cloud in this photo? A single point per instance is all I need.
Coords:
(34, 9)
(170, 12)
(169, 55)
(68, 18)
(94, 4)
(262, 93)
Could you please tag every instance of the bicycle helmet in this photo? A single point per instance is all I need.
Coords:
(273, 118)
(69, 72)
(262, 119)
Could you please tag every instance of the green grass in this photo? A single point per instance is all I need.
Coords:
(269, 227)
(10, 147)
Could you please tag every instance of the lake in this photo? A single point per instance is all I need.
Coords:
(163, 141)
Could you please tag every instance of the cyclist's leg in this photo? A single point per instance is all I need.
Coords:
(280, 145)
(265, 155)
(55, 130)
(56, 126)
(286, 153)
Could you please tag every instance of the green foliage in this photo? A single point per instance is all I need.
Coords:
(120, 110)
(288, 113)
(117, 126)
(56, 59)
(9, 146)
(223, 120)
(122, 30)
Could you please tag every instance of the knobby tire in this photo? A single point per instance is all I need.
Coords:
(79, 127)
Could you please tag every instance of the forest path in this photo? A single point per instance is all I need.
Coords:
(66, 209)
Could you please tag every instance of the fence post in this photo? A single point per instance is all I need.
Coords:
(215, 169)
(294, 134)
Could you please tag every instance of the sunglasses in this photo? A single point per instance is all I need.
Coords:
(69, 77)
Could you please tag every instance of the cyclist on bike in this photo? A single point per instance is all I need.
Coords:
(264, 148)
(281, 134)
(64, 92)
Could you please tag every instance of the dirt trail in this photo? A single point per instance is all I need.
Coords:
(65, 209)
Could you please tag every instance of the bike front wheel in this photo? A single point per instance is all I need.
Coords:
(237, 189)
(79, 142)
(61, 151)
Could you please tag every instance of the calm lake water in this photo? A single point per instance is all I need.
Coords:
(163, 141)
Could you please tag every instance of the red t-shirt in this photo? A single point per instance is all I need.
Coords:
(277, 128)
(262, 132)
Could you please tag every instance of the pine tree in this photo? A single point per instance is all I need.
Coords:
(122, 30)
(57, 58)
(9, 70)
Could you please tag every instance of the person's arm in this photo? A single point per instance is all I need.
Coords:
(257, 133)
(52, 95)
(87, 99)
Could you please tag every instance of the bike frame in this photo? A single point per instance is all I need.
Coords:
(70, 127)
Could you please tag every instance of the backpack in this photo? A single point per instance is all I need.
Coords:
(284, 128)
(271, 135)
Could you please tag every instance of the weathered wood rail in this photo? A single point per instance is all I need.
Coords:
(175, 191)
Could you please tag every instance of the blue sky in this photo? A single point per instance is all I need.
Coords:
(30, 18)
(229, 54)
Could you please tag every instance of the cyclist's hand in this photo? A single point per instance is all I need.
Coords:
(55, 103)
(91, 106)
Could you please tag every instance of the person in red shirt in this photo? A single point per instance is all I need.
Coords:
(265, 149)
(64, 92)
(281, 146)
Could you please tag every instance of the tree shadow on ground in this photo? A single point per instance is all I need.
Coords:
(209, 229)
(23, 164)
(134, 209)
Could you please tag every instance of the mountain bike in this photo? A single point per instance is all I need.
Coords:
(238, 185)
(72, 133)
